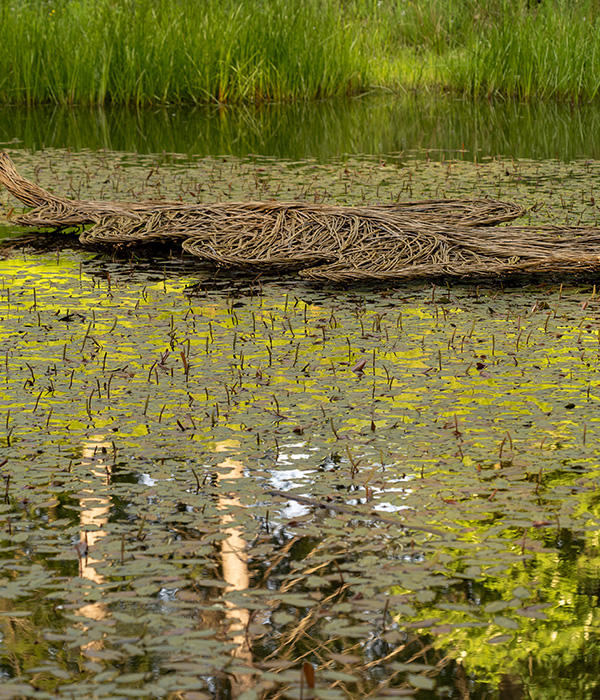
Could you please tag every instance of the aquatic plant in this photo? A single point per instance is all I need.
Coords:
(545, 50)
(209, 484)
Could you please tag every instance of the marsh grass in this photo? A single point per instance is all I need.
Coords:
(152, 51)
(149, 51)
(551, 50)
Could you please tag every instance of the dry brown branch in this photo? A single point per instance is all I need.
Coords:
(56, 212)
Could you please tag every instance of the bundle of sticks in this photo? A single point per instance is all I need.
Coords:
(406, 240)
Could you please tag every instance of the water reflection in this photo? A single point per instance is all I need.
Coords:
(422, 126)
(94, 517)
(234, 566)
(353, 595)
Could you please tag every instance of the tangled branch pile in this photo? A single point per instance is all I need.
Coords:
(329, 243)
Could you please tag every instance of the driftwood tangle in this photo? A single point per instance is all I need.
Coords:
(401, 241)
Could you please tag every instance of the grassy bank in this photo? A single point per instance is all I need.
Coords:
(147, 51)
(185, 51)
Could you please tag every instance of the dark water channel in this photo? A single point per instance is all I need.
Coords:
(201, 496)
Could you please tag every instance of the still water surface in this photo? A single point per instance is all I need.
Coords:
(200, 494)
(419, 126)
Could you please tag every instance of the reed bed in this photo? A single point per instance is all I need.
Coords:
(548, 50)
(156, 51)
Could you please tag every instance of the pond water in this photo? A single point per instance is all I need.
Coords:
(220, 486)
(415, 125)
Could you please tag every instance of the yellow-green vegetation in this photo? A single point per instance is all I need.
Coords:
(157, 51)
(207, 481)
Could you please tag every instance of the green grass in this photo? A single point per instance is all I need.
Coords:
(192, 51)
(148, 51)
(548, 51)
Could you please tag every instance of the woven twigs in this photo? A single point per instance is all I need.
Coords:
(471, 252)
(388, 242)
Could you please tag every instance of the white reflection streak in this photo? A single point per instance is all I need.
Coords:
(94, 512)
(234, 561)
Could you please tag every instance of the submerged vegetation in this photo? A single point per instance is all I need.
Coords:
(156, 51)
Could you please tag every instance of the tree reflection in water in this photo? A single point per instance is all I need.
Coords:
(94, 517)
(234, 564)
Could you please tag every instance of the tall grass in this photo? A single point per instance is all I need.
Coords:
(143, 51)
(550, 50)
(192, 51)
